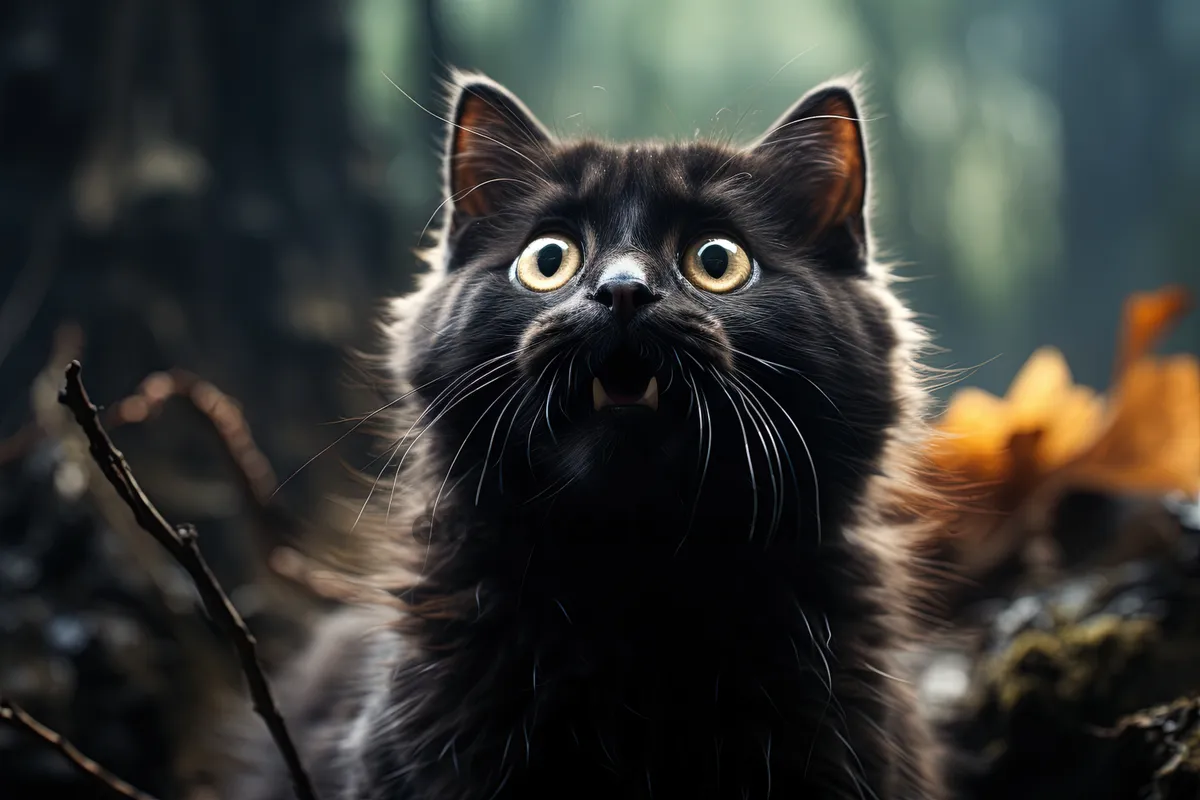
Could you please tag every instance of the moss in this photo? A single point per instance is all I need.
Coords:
(1070, 664)
(1163, 742)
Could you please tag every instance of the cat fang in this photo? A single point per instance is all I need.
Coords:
(601, 399)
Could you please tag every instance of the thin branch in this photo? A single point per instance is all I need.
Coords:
(181, 543)
(222, 412)
(16, 716)
(218, 409)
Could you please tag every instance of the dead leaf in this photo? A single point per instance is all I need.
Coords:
(1048, 435)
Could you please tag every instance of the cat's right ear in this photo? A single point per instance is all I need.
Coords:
(819, 144)
(494, 144)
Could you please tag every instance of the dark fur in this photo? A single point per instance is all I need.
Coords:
(598, 614)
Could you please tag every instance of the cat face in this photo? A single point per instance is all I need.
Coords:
(680, 329)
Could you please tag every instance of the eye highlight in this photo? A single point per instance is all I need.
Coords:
(717, 264)
(547, 263)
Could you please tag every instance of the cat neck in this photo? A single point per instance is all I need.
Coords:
(526, 647)
(638, 564)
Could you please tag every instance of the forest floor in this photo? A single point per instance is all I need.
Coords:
(1066, 664)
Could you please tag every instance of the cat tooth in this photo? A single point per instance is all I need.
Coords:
(600, 398)
(650, 396)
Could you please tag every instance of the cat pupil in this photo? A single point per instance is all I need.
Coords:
(714, 259)
(549, 259)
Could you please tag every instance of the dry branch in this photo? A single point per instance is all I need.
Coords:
(181, 543)
(253, 470)
(218, 409)
(16, 716)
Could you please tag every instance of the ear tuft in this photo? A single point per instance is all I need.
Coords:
(823, 131)
(494, 139)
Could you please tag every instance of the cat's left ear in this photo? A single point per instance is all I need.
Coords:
(492, 148)
(821, 136)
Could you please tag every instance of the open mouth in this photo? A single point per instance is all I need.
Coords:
(624, 381)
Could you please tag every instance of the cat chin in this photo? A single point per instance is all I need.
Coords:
(625, 451)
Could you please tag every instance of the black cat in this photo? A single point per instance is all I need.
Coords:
(657, 404)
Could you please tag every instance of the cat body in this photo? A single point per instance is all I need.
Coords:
(656, 405)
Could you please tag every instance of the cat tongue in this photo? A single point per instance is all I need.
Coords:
(623, 398)
(603, 396)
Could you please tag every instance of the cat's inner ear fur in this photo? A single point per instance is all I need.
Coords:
(821, 136)
(493, 146)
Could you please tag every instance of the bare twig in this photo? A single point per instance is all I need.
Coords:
(254, 471)
(181, 543)
(218, 409)
(250, 464)
(16, 716)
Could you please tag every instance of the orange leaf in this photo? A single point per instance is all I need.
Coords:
(1148, 317)
(1037, 387)
(1152, 442)
(1048, 434)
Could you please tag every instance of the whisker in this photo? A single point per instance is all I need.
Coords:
(356, 426)
(693, 399)
(533, 139)
(754, 409)
(776, 496)
(803, 443)
(454, 198)
(472, 131)
(450, 469)
(784, 368)
(492, 440)
(764, 143)
(767, 758)
(827, 683)
(749, 462)
(470, 381)
(549, 396)
(391, 451)
(702, 411)
(737, 125)
(813, 117)
(777, 436)
(570, 379)
(551, 487)
(860, 779)
(533, 425)
(423, 431)
(508, 434)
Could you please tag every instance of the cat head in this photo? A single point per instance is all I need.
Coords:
(686, 330)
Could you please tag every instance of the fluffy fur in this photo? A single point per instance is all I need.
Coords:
(704, 601)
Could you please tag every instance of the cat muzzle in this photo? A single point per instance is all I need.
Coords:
(624, 380)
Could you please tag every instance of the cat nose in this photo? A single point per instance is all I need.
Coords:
(623, 297)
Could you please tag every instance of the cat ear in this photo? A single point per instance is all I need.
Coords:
(822, 136)
(492, 143)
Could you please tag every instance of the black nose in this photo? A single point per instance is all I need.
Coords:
(624, 297)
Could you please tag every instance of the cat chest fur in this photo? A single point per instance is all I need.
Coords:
(719, 678)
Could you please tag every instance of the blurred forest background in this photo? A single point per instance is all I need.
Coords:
(231, 187)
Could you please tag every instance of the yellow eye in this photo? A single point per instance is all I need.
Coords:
(548, 262)
(717, 265)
